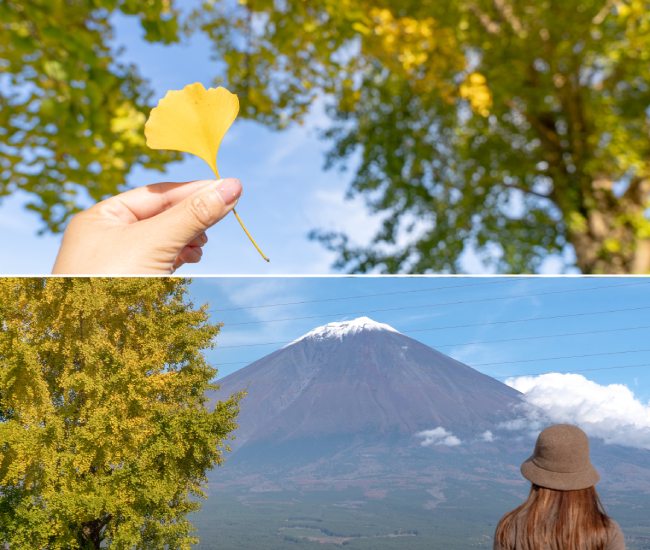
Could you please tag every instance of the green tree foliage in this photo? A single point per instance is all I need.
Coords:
(520, 128)
(71, 114)
(105, 436)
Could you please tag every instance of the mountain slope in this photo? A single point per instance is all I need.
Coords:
(365, 379)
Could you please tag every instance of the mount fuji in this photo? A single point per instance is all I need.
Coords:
(364, 379)
(357, 434)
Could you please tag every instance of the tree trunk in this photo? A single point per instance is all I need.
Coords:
(609, 233)
(91, 533)
(609, 238)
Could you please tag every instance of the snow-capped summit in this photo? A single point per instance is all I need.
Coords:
(343, 328)
(363, 378)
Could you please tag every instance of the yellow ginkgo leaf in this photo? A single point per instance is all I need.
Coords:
(194, 120)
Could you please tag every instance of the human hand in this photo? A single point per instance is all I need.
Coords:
(148, 230)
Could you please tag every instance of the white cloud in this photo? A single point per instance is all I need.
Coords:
(438, 436)
(609, 412)
(487, 435)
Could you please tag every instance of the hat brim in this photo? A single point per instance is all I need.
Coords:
(563, 481)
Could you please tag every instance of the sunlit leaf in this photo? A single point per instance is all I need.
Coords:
(195, 120)
(192, 120)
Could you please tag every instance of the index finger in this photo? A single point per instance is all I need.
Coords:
(149, 200)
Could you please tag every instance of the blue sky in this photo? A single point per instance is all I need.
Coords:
(286, 191)
(443, 303)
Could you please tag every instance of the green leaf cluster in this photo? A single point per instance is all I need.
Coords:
(516, 129)
(520, 129)
(71, 113)
(105, 434)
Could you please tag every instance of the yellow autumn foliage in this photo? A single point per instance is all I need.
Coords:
(103, 418)
(476, 91)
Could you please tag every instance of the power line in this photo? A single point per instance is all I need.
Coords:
(576, 371)
(541, 337)
(438, 304)
(352, 297)
(557, 357)
(527, 319)
(487, 323)
(554, 358)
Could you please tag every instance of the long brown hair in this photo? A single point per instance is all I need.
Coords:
(555, 520)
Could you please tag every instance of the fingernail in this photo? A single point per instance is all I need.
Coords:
(230, 190)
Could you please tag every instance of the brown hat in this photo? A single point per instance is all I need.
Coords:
(561, 460)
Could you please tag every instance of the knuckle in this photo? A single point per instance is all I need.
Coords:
(200, 211)
(76, 221)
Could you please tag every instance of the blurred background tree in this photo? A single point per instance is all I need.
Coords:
(520, 129)
(71, 114)
(516, 130)
(105, 436)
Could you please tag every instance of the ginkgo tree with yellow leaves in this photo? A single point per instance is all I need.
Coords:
(516, 129)
(105, 433)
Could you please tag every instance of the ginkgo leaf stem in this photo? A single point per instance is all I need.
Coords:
(249, 235)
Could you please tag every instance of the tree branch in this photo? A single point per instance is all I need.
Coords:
(637, 192)
(524, 190)
(508, 14)
(603, 13)
(489, 25)
(547, 133)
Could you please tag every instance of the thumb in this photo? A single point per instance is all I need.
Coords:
(184, 221)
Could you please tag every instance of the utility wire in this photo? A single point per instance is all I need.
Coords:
(554, 358)
(557, 357)
(431, 329)
(527, 319)
(543, 336)
(353, 297)
(438, 304)
(574, 371)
